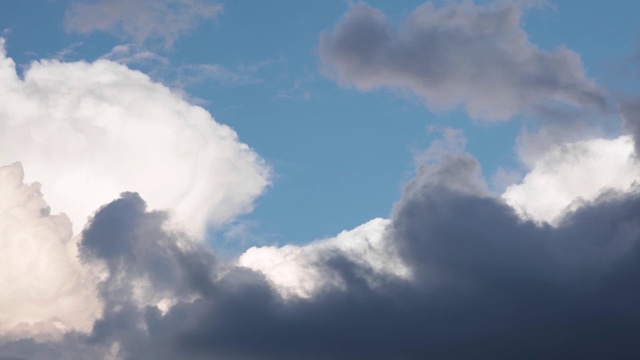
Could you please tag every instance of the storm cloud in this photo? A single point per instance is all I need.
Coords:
(485, 283)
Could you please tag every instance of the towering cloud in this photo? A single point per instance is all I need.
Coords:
(89, 131)
(485, 283)
(461, 54)
(45, 290)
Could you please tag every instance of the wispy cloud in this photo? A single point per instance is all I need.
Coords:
(182, 76)
(140, 20)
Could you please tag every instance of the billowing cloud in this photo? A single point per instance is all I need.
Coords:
(303, 271)
(140, 20)
(89, 131)
(461, 54)
(573, 173)
(45, 289)
(485, 283)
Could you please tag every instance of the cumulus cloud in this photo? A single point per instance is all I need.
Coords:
(89, 131)
(45, 289)
(140, 20)
(146, 268)
(461, 54)
(304, 271)
(570, 174)
(485, 283)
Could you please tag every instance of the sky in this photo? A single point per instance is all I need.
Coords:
(191, 179)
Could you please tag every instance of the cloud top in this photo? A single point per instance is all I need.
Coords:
(89, 131)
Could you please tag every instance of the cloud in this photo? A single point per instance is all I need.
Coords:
(131, 54)
(455, 272)
(45, 289)
(146, 268)
(462, 54)
(573, 173)
(89, 131)
(532, 145)
(183, 76)
(190, 74)
(485, 283)
(303, 271)
(140, 20)
(630, 113)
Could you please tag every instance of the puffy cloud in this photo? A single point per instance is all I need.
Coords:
(485, 283)
(89, 131)
(149, 270)
(477, 56)
(446, 162)
(140, 20)
(571, 174)
(303, 271)
(45, 289)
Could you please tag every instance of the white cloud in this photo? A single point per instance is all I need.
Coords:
(45, 288)
(89, 131)
(303, 271)
(572, 173)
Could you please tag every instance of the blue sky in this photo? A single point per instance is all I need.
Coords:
(340, 156)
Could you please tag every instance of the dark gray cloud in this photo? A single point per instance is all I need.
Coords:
(487, 285)
(462, 54)
(630, 112)
(140, 20)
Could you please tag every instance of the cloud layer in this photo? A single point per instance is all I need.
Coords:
(461, 54)
(89, 131)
